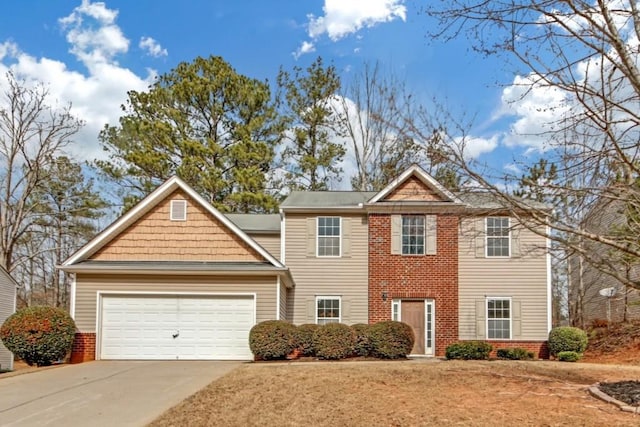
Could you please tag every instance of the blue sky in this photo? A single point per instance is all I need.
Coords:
(91, 53)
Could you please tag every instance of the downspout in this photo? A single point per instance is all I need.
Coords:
(72, 302)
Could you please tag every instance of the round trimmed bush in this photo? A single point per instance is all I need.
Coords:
(305, 334)
(334, 341)
(569, 356)
(391, 339)
(567, 338)
(363, 345)
(273, 339)
(39, 335)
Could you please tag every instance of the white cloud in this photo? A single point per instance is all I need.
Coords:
(473, 147)
(342, 18)
(535, 108)
(96, 94)
(306, 47)
(152, 47)
(512, 167)
(7, 49)
(94, 37)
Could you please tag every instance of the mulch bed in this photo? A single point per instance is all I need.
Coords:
(624, 391)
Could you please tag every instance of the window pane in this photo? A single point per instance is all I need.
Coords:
(328, 310)
(413, 234)
(499, 318)
(328, 236)
(498, 236)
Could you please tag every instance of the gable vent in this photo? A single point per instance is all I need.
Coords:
(178, 210)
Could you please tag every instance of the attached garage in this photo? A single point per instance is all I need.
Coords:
(174, 279)
(176, 327)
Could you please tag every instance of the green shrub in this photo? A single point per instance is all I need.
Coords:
(569, 356)
(515, 353)
(39, 335)
(391, 339)
(334, 341)
(469, 350)
(273, 339)
(305, 334)
(363, 345)
(567, 338)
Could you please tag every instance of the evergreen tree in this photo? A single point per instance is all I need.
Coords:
(312, 157)
(214, 128)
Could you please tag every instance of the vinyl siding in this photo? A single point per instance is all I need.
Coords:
(271, 242)
(155, 237)
(87, 287)
(7, 305)
(522, 278)
(345, 276)
(625, 303)
(283, 302)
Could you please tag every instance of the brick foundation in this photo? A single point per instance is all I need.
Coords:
(416, 277)
(540, 349)
(84, 347)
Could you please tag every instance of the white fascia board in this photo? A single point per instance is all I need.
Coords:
(124, 221)
(145, 205)
(422, 176)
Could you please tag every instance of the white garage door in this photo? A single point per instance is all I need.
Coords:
(176, 327)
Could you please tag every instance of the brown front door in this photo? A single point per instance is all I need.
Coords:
(413, 315)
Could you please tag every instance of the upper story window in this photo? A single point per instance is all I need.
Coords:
(498, 237)
(413, 235)
(329, 234)
(499, 318)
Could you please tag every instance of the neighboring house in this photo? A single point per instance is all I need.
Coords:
(176, 279)
(593, 294)
(8, 288)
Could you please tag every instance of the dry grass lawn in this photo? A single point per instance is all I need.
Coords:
(406, 393)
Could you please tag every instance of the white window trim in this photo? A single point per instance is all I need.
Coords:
(318, 238)
(424, 235)
(486, 238)
(432, 303)
(334, 297)
(486, 313)
(176, 201)
(394, 303)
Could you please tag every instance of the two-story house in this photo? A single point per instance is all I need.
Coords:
(176, 279)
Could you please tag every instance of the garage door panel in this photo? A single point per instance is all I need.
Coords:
(143, 327)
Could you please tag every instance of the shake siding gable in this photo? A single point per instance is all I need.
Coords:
(523, 279)
(155, 237)
(413, 190)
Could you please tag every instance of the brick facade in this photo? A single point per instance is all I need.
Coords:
(84, 347)
(416, 276)
(540, 349)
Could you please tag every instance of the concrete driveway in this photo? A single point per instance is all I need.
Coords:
(103, 393)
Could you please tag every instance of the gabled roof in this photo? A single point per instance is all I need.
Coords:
(326, 199)
(145, 205)
(424, 177)
(487, 200)
(256, 223)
